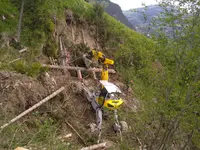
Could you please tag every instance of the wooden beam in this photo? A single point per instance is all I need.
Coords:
(77, 68)
(97, 146)
(14, 60)
(23, 50)
(94, 75)
(33, 107)
(79, 75)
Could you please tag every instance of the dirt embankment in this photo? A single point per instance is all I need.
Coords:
(19, 92)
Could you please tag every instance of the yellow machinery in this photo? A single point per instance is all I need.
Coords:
(109, 95)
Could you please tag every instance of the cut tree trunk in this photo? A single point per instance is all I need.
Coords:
(20, 21)
(23, 50)
(78, 68)
(97, 146)
(33, 107)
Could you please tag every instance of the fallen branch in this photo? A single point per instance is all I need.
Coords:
(94, 75)
(97, 146)
(3, 18)
(78, 68)
(23, 50)
(21, 148)
(66, 136)
(33, 107)
(76, 132)
(14, 60)
(79, 75)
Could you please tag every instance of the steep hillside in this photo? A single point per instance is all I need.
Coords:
(44, 23)
(158, 77)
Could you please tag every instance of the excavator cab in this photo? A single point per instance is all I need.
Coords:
(109, 96)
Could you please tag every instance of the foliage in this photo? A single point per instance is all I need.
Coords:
(10, 13)
(35, 133)
(30, 69)
(171, 103)
(50, 49)
(101, 34)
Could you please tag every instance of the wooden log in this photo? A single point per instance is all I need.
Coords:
(3, 18)
(33, 107)
(21, 148)
(14, 60)
(23, 50)
(97, 146)
(61, 47)
(94, 75)
(51, 61)
(20, 21)
(65, 137)
(79, 75)
(63, 55)
(77, 68)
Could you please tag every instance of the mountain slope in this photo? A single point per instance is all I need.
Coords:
(136, 17)
(141, 17)
(115, 11)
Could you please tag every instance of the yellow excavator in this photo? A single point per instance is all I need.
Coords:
(109, 95)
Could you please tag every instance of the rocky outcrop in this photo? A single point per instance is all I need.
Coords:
(115, 11)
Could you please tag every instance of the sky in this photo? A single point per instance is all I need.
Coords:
(129, 4)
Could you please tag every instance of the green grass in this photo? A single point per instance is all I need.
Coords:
(40, 133)
(11, 14)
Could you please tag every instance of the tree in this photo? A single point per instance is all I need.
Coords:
(20, 21)
(172, 116)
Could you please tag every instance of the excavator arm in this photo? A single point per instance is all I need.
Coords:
(101, 59)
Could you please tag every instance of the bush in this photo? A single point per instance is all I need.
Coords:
(50, 49)
(49, 26)
(33, 69)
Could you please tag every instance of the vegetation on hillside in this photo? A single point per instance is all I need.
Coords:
(162, 72)
(172, 113)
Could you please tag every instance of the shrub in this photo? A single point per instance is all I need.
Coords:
(50, 49)
(30, 69)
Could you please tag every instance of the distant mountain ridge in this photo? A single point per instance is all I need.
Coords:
(137, 18)
(141, 18)
(115, 11)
